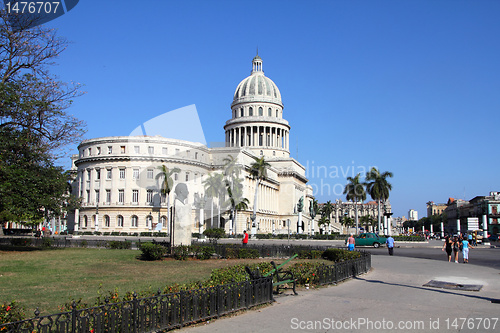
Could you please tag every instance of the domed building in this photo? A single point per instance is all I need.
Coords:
(119, 178)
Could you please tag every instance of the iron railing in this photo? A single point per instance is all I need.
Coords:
(152, 314)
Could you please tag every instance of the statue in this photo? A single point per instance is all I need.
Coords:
(182, 217)
(300, 205)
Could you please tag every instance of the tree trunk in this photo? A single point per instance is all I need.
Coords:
(379, 217)
(254, 222)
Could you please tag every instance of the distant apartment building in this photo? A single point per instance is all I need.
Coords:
(412, 215)
(435, 208)
(481, 212)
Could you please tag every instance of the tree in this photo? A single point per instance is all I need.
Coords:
(323, 221)
(258, 170)
(326, 211)
(213, 189)
(355, 191)
(167, 184)
(237, 201)
(31, 187)
(234, 188)
(31, 99)
(34, 120)
(378, 187)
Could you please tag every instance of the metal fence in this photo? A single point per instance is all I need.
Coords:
(344, 270)
(153, 314)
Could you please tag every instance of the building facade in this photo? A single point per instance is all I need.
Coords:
(119, 179)
(481, 212)
(435, 208)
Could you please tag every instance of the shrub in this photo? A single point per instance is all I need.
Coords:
(236, 273)
(181, 252)
(245, 253)
(115, 233)
(214, 234)
(123, 234)
(97, 233)
(159, 234)
(338, 255)
(310, 254)
(47, 242)
(202, 252)
(146, 234)
(11, 312)
(20, 241)
(119, 245)
(152, 251)
(107, 233)
(305, 272)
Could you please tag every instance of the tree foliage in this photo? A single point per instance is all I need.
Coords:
(31, 187)
(33, 100)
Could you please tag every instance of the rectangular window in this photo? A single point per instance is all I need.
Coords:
(98, 150)
(135, 196)
(90, 151)
(151, 150)
(108, 196)
(110, 150)
(187, 176)
(149, 198)
(121, 196)
(122, 173)
(97, 196)
(137, 149)
(150, 173)
(134, 221)
(108, 174)
(195, 177)
(196, 156)
(177, 151)
(135, 174)
(164, 151)
(88, 196)
(122, 149)
(88, 174)
(176, 176)
(98, 174)
(120, 221)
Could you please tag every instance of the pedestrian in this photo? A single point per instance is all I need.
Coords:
(245, 238)
(465, 250)
(390, 245)
(447, 246)
(455, 248)
(350, 243)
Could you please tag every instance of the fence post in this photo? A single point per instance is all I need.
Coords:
(134, 311)
(73, 317)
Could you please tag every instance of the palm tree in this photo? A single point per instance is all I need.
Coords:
(323, 221)
(167, 184)
(258, 170)
(326, 210)
(237, 202)
(378, 187)
(213, 188)
(355, 191)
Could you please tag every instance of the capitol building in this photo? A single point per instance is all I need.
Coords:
(119, 179)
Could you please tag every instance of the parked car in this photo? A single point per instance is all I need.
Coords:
(493, 238)
(369, 239)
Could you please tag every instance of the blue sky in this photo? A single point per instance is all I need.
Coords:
(412, 87)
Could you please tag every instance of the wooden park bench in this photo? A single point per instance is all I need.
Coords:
(283, 278)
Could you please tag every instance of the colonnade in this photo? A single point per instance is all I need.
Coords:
(257, 136)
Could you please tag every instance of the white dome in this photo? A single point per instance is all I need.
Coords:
(257, 87)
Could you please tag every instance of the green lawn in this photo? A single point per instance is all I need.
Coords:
(48, 279)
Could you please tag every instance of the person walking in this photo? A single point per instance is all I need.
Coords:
(465, 250)
(350, 243)
(447, 246)
(390, 245)
(244, 241)
(455, 248)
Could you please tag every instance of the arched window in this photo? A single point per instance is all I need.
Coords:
(269, 112)
(163, 220)
(119, 221)
(106, 221)
(277, 113)
(134, 221)
(242, 113)
(261, 112)
(250, 111)
(85, 221)
(149, 221)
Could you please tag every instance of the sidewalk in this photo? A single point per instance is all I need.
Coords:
(390, 296)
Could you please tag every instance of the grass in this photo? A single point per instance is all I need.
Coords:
(47, 279)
